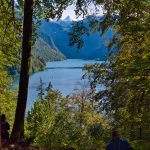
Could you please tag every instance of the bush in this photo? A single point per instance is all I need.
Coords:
(140, 145)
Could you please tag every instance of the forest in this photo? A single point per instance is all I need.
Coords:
(82, 120)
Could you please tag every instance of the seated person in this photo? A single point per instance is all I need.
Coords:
(118, 144)
(4, 129)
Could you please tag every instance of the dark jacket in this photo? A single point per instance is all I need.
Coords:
(118, 145)
(4, 130)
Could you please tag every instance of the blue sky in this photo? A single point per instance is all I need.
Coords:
(70, 12)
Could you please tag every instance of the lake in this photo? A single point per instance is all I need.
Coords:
(65, 76)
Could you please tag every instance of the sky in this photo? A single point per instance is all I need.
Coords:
(70, 12)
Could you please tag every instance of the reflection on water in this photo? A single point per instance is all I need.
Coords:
(66, 76)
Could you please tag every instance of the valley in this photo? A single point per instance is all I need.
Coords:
(54, 61)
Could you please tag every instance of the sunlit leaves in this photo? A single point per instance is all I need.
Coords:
(66, 122)
(126, 74)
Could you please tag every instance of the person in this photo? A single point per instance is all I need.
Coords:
(4, 129)
(118, 144)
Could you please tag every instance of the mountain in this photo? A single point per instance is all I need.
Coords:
(42, 53)
(57, 31)
(53, 44)
(68, 18)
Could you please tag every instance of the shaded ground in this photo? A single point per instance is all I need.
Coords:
(26, 145)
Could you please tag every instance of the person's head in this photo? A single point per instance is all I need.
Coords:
(3, 118)
(115, 135)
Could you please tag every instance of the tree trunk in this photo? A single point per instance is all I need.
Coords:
(18, 127)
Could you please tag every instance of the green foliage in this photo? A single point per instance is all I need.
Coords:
(126, 75)
(74, 121)
(8, 105)
(66, 122)
(75, 36)
(9, 45)
(9, 31)
(140, 145)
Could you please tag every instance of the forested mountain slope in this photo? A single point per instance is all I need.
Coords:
(42, 53)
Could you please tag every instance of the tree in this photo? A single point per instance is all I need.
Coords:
(51, 9)
(40, 89)
(49, 87)
(57, 122)
(9, 46)
(126, 74)
(18, 128)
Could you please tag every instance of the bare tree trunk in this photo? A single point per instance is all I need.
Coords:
(18, 127)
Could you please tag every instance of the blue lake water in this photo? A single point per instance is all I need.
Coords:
(66, 76)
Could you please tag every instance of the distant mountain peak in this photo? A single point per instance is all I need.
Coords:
(68, 18)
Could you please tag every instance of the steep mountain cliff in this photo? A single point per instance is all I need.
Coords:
(42, 53)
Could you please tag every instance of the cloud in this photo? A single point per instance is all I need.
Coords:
(70, 12)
